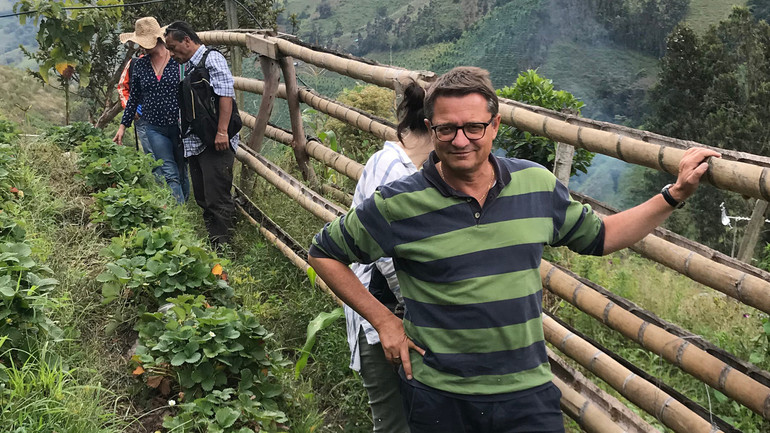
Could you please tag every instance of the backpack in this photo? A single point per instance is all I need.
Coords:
(200, 106)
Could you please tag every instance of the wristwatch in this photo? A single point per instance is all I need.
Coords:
(669, 199)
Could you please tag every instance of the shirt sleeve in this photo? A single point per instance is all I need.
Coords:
(219, 74)
(576, 225)
(134, 95)
(349, 238)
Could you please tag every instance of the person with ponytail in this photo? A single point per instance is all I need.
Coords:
(394, 161)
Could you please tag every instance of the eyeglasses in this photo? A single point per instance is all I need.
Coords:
(472, 130)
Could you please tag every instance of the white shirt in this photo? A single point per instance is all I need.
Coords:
(389, 164)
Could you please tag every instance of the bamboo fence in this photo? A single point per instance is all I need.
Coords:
(738, 172)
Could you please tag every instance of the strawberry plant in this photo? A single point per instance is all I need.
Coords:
(153, 264)
(218, 358)
(70, 136)
(104, 164)
(127, 207)
(24, 285)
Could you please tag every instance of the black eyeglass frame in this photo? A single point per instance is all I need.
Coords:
(463, 126)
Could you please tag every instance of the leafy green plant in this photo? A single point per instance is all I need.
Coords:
(532, 89)
(213, 354)
(8, 131)
(320, 322)
(70, 136)
(104, 164)
(24, 285)
(127, 207)
(153, 264)
(224, 411)
(765, 262)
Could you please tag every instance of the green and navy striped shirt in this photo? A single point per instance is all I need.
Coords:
(469, 276)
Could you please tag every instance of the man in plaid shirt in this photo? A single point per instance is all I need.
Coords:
(211, 167)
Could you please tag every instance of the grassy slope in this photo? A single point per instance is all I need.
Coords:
(18, 91)
(705, 13)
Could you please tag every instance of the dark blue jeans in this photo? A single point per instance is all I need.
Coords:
(430, 411)
(163, 142)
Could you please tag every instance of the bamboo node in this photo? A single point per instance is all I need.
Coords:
(618, 150)
(763, 181)
(687, 264)
(606, 314)
(640, 334)
(593, 359)
(547, 281)
(580, 137)
(629, 378)
(663, 408)
(766, 408)
(739, 288)
(575, 292)
(661, 158)
(582, 411)
(680, 352)
(563, 342)
(723, 376)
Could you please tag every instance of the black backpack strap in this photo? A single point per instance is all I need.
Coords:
(205, 56)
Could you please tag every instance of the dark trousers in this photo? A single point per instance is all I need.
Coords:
(430, 411)
(211, 173)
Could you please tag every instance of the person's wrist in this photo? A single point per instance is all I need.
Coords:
(676, 193)
(221, 133)
(674, 201)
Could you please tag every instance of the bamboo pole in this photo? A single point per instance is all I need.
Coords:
(291, 255)
(646, 136)
(747, 179)
(314, 148)
(676, 350)
(591, 418)
(284, 186)
(217, 37)
(642, 393)
(357, 118)
(295, 114)
(618, 412)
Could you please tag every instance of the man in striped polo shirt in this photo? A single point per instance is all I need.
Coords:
(466, 235)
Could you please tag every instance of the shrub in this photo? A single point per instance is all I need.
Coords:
(70, 136)
(127, 207)
(153, 264)
(104, 164)
(532, 89)
(217, 356)
(8, 131)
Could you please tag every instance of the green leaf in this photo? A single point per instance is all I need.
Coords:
(321, 321)
(226, 417)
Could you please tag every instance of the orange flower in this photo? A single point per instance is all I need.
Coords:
(138, 371)
(217, 269)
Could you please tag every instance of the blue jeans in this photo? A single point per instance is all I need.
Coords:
(140, 125)
(163, 143)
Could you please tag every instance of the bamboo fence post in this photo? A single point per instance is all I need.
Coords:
(314, 148)
(642, 393)
(676, 350)
(270, 70)
(753, 230)
(298, 143)
(562, 163)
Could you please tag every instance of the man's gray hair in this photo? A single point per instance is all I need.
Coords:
(461, 81)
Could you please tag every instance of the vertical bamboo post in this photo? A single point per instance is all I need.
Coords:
(270, 70)
(751, 236)
(298, 131)
(237, 60)
(562, 163)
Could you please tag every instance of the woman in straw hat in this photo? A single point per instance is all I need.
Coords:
(153, 85)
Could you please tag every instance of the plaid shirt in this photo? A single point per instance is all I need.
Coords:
(221, 82)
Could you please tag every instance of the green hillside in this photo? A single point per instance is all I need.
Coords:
(705, 13)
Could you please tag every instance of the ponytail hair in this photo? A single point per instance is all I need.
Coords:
(410, 111)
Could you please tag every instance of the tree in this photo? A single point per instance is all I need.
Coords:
(532, 89)
(760, 8)
(75, 45)
(715, 90)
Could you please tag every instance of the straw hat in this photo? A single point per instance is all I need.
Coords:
(146, 35)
